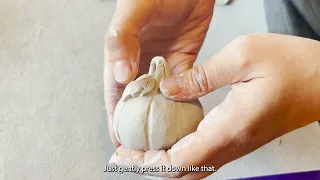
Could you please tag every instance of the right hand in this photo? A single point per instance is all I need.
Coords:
(140, 30)
(274, 90)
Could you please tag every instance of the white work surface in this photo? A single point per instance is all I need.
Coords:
(53, 122)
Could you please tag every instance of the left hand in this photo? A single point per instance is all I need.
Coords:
(275, 90)
(140, 30)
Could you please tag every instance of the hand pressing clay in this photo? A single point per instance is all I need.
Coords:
(144, 119)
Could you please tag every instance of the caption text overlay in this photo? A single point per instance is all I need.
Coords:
(141, 170)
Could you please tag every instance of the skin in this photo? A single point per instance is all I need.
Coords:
(275, 90)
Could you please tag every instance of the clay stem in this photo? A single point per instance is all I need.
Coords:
(159, 68)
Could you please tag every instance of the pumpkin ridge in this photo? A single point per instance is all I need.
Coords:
(117, 122)
(146, 125)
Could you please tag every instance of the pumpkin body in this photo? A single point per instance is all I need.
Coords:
(144, 119)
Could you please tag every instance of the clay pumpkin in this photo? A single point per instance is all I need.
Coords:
(145, 119)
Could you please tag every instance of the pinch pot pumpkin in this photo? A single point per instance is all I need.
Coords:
(145, 119)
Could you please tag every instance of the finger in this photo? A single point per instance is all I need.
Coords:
(127, 157)
(229, 66)
(123, 38)
(112, 136)
(155, 178)
(189, 176)
(112, 94)
(195, 175)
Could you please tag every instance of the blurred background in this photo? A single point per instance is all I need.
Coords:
(53, 123)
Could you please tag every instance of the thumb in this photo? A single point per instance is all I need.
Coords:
(229, 66)
(123, 44)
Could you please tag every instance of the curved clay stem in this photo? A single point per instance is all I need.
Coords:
(159, 68)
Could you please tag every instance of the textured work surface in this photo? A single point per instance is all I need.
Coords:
(52, 119)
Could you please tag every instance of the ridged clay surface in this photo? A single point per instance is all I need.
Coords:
(145, 119)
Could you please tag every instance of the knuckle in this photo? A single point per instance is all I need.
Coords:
(109, 38)
(245, 48)
(111, 97)
(245, 40)
(199, 79)
(113, 93)
(113, 37)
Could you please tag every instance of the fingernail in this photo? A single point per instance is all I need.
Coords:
(170, 86)
(122, 71)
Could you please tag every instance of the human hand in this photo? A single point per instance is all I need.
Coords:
(141, 30)
(275, 89)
